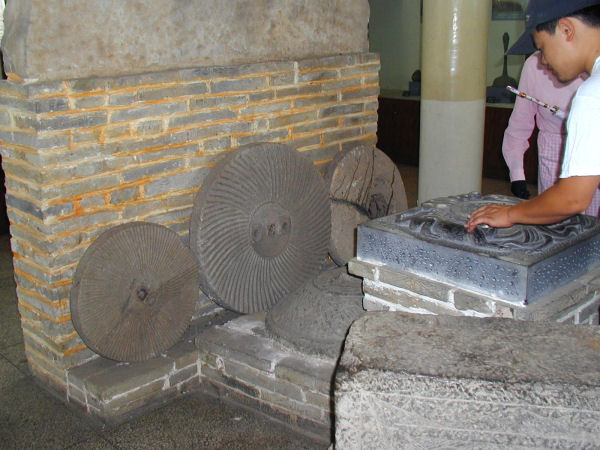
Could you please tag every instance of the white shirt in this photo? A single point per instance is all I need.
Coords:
(582, 146)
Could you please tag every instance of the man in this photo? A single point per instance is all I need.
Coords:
(567, 33)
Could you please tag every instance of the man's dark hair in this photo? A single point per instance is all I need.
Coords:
(590, 16)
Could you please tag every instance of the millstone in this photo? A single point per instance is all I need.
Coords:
(134, 292)
(364, 184)
(260, 226)
(316, 318)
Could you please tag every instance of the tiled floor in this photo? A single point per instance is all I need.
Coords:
(31, 418)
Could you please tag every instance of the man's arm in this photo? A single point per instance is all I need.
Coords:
(567, 197)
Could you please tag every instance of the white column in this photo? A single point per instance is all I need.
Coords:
(453, 81)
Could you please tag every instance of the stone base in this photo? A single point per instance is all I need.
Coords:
(113, 392)
(225, 355)
(240, 363)
(455, 382)
(387, 289)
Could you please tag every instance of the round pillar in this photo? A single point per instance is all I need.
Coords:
(453, 90)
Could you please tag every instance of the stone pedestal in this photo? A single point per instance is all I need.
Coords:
(415, 381)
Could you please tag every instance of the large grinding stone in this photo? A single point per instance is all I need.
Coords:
(260, 226)
(364, 183)
(316, 318)
(134, 292)
(518, 264)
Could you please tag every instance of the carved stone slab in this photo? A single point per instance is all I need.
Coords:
(517, 264)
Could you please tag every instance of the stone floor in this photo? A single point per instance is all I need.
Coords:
(32, 418)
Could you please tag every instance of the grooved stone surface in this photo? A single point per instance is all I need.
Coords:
(442, 381)
(518, 264)
(48, 40)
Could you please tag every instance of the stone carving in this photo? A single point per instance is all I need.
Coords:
(517, 264)
(260, 226)
(444, 219)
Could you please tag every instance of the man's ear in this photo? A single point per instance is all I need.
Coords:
(566, 28)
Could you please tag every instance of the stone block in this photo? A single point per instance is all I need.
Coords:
(517, 265)
(443, 381)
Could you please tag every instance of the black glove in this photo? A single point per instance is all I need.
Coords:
(519, 189)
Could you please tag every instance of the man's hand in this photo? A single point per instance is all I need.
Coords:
(519, 189)
(493, 215)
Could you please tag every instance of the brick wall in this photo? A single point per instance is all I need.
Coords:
(81, 156)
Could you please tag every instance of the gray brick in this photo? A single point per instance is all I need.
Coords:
(360, 120)
(117, 131)
(176, 182)
(262, 380)
(306, 371)
(240, 70)
(61, 209)
(415, 283)
(334, 136)
(367, 140)
(316, 100)
(201, 117)
(245, 84)
(149, 127)
(89, 135)
(233, 383)
(85, 85)
(197, 88)
(31, 140)
(140, 112)
(265, 108)
(49, 105)
(360, 93)
(322, 153)
(244, 348)
(288, 119)
(89, 220)
(104, 380)
(124, 195)
(5, 118)
(295, 91)
(277, 135)
(261, 96)
(93, 201)
(341, 84)
(24, 205)
(314, 126)
(216, 144)
(122, 99)
(465, 301)
(183, 375)
(306, 142)
(92, 101)
(211, 102)
(151, 170)
(362, 69)
(328, 61)
(318, 76)
(282, 79)
(371, 106)
(340, 110)
(63, 122)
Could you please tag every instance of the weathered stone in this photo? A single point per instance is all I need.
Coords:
(444, 381)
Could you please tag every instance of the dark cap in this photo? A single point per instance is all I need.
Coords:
(541, 11)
